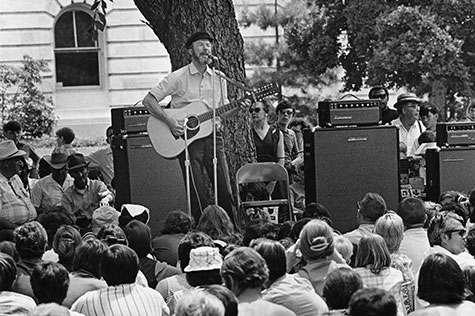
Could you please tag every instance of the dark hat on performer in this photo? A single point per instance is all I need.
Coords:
(198, 36)
(76, 161)
(406, 97)
(57, 160)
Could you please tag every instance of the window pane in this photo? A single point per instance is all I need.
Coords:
(77, 69)
(83, 23)
(63, 31)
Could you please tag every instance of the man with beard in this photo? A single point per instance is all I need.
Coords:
(189, 84)
(48, 191)
(85, 195)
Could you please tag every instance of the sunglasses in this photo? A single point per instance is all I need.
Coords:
(254, 110)
(288, 112)
(461, 232)
(378, 96)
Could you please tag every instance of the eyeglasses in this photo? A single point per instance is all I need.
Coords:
(461, 232)
(378, 96)
(288, 112)
(254, 110)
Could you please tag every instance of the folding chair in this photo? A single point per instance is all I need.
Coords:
(263, 172)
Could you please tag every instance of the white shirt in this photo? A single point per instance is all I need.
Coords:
(409, 137)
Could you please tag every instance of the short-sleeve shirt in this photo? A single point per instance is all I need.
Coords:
(84, 202)
(15, 203)
(47, 193)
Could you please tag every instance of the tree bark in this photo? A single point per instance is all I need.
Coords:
(173, 21)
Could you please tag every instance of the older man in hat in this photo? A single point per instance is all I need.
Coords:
(85, 195)
(196, 82)
(408, 123)
(15, 205)
(48, 191)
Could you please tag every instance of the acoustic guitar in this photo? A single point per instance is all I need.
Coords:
(198, 120)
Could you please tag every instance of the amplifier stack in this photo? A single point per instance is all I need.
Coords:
(349, 113)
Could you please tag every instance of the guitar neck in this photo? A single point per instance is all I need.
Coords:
(219, 110)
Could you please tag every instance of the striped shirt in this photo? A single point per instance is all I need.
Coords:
(121, 300)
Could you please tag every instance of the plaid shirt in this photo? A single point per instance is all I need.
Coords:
(389, 279)
(15, 204)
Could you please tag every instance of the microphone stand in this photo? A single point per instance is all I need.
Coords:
(187, 168)
(215, 160)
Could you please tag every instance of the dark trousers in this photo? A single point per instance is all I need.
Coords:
(201, 162)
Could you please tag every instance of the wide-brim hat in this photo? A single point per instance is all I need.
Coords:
(204, 259)
(102, 216)
(8, 150)
(198, 36)
(406, 97)
(76, 161)
(56, 160)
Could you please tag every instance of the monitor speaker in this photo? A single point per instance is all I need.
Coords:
(343, 164)
(450, 169)
(144, 177)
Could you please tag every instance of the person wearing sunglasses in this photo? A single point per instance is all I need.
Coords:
(381, 93)
(268, 140)
(429, 115)
(285, 113)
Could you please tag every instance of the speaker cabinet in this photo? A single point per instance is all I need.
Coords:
(343, 164)
(144, 177)
(450, 169)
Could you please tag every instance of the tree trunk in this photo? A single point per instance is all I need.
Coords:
(437, 97)
(173, 21)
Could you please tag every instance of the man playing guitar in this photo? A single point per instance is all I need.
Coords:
(190, 84)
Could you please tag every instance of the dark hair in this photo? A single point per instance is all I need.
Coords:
(215, 222)
(67, 134)
(14, 126)
(119, 265)
(88, 255)
(267, 104)
(139, 237)
(50, 282)
(299, 121)
(204, 277)
(246, 267)
(373, 253)
(340, 285)
(438, 225)
(256, 189)
(457, 209)
(65, 242)
(372, 206)
(284, 230)
(112, 234)
(284, 105)
(427, 108)
(372, 302)
(297, 228)
(53, 219)
(376, 88)
(259, 230)
(8, 247)
(427, 137)
(274, 254)
(441, 280)
(469, 277)
(30, 240)
(177, 222)
(8, 272)
(471, 200)
(412, 211)
(225, 295)
(192, 240)
(318, 211)
(470, 241)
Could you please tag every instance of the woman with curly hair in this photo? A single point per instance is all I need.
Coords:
(217, 224)
(245, 272)
(165, 246)
(65, 242)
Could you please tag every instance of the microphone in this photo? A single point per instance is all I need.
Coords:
(213, 59)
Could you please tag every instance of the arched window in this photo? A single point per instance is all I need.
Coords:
(76, 51)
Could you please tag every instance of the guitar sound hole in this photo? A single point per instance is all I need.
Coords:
(192, 123)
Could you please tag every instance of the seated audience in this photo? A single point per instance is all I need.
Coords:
(52, 309)
(119, 266)
(339, 286)
(414, 242)
(254, 191)
(226, 297)
(30, 242)
(199, 303)
(139, 237)
(102, 216)
(470, 241)
(370, 208)
(446, 234)
(104, 160)
(165, 246)
(318, 251)
(372, 302)
(259, 230)
(317, 211)
(441, 283)
(344, 247)
(112, 234)
(50, 282)
(373, 265)
(469, 277)
(8, 247)
(129, 212)
(65, 242)
(85, 195)
(64, 139)
(48, 191)
(204, 266)
(391, 228)
(86, 276)
(289, 290)
(217, 224)
(12, 303)
(244, 272)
